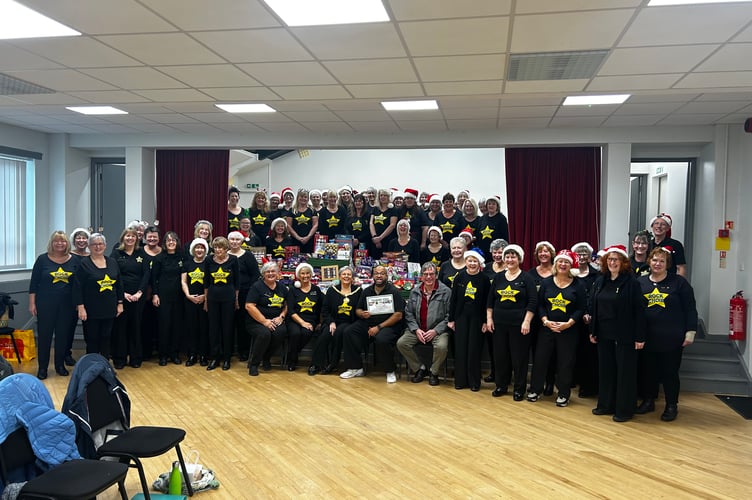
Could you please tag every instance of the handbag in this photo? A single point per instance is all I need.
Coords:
(25, 341)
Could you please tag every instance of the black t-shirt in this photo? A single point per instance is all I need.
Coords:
(269, 302)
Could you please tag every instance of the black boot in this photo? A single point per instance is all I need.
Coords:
(213, 364)
(191, 360)
(647, 406)
(670, 413)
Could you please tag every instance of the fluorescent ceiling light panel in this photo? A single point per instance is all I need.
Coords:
(17, 21)
(656, 3)
(588, 100)
(246, 108)
(97, 110)
(322, 12)
(409, 105)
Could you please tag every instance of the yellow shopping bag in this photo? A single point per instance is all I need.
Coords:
(26, 343)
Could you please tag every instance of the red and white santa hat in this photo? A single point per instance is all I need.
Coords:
(346, 187)
(468, 233)
(546, 244)
(434, 228)
(411, 193)
(275, 195)
(300, 267)
(434, 196)
(620, 249)
(516, 249)
(314, 191)
(287, 190)
(664, 217)
(582, 244)
(198, 241)
(567, 255)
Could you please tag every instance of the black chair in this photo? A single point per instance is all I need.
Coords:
(73, 480)
(132, 444)
(6, 313)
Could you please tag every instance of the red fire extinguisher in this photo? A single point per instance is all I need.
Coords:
(738, 317)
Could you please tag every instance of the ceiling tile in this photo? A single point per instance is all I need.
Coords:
(471, 124)
(218, 117)
(80, 52)
(174, 95)
(544, 86)
(422, 126)
(715, 80)
(543, 6)
(239, 127)
(134, 78)
(632, 120)
(313, 116)
(515, 123)
(312, 92)
(602, 110)
(568, 31)
(262, 45)
(731, 57)
(428, 114)
(153, 128)
(660, 97)
(215, 15)
(241, 94)
(193, 107)
(528, 112)
(646, 60)
(197, 128)
(405, 10)
(290, 127)
(726, 96)
(375, 127)
(109, 96)
(578, 121)
(456, 36)
(386, 91)
(376, 71)
(701, 119)
(171, 118)
(697, 24)
(644, 109)
(215, 75)
(354, 41)
(633, 82)
(102, 16)
(531, 100)
(712, 107)
(364, 115)
(14, 58)
(60, 79)
(463, 88)
(327, 126)
(289, 73)
(744, 36)
(445, 69)
(162, 48)
(470, 113)
(58, 98)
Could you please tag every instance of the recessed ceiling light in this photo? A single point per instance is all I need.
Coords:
(409, 105)
(656, 3)
(97, 110)
(17, 21)
(321, 12)
(246, 108)
(587, 100)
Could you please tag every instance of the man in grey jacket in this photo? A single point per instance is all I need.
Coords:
(426, 314)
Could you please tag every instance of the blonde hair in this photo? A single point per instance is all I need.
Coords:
(61, 235)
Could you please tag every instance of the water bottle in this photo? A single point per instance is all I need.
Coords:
(176, 482)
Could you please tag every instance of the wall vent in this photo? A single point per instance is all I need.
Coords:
(555, 65)
(14, 86)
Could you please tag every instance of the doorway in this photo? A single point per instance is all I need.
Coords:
(108, 197)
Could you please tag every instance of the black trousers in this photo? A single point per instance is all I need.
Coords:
(663, 368)
(54, 318)
(357, 340)
(126, 335)
(221, 315)
(242, 339)
(298, 337)
(564, 346)
(197, 329)
(170, 327)
(512, 355)
(97, 333)
(467, 346)
(617, 365)
(328, 347)
(586, 367)
(265, 342)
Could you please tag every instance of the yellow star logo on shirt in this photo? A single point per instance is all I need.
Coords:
(408, 216)
(379, 219)
(276, 301)
(656, 298)
(333, 221)
(196, 276)
(234, 223)
(508, 294)
(344, 309)
(220, 276)
(306, 305)
(60, 276)
(470, 290)
(559, 303)
(486, 233)
(357, 225)
(279, 251)
(302, 219)
(447, 227)
(106, 283)
(259, 220)
(139, 259)
(451, 278)
(435, 260)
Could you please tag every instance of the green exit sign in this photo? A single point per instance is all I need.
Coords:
(251, 186)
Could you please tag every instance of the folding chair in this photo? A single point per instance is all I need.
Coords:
(73, 480)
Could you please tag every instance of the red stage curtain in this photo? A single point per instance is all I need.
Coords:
(192, 185)
(553, 194)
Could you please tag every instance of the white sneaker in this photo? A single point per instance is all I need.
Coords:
(352, 373)
(561, 401)
(391, 378)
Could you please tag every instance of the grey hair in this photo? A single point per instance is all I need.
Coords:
(428, 265)
(269, 266)
(498, 244)
(97, 236)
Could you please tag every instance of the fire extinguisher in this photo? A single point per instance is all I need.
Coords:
(738, 317)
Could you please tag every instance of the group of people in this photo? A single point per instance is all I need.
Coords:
(616, 329)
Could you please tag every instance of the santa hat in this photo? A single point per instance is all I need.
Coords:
(582, 244)
(476, 253)
(517, 249)
(464, 191)
(545, 244)
(620, 249)
(494, 197)
(434, 228)
(235, 234)
(79, 230)
(288, 190)
(301, 266)
(411, 193)
(567, 255)
(664, 217)
(668, 249)
(435, 197)
(314, 191)
(346, 187)
(403, 222)
(278, 219)
(275, 195)
(468, 233)
(197, 241)
(601, 252)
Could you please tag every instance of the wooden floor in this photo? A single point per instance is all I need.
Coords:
(288, 435)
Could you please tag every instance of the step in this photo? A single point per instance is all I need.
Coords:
(716, 383)
(713, 347)
(700, 364)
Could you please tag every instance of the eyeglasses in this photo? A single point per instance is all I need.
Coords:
(429, 273)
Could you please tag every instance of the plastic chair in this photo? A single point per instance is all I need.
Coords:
(132, 444)
(73, 480)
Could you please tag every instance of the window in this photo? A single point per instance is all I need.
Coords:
(16, 212)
